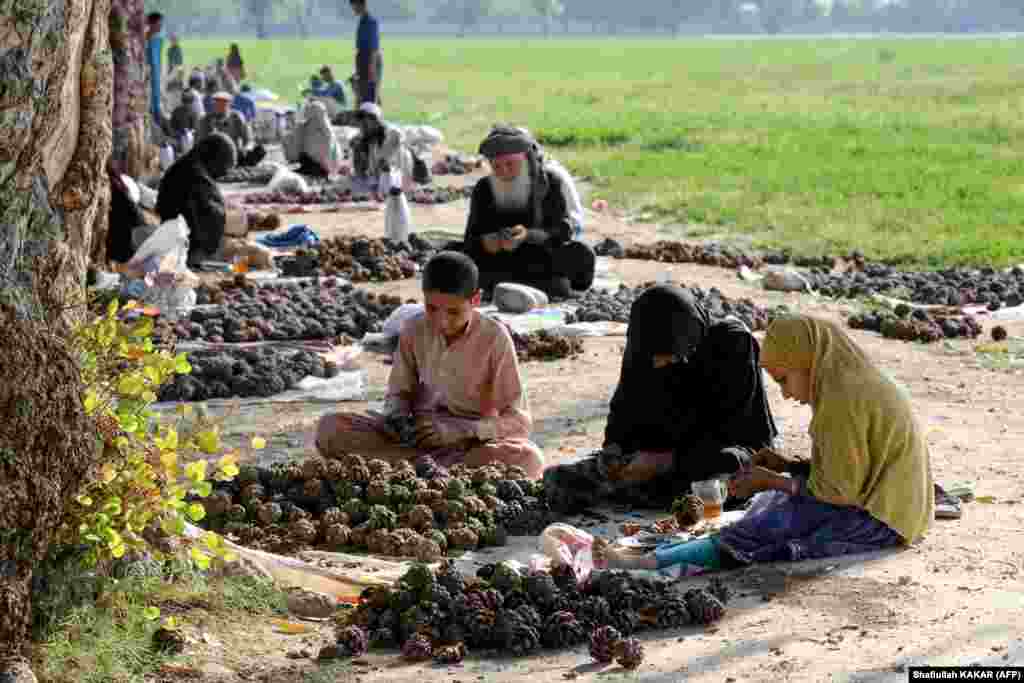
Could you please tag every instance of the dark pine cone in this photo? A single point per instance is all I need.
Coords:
(517, 631)
(602, 644)
(450, 577)
(627, 621)
(670, 611)
(479, 628)
(704, 607)
(418, 648)
(718, 588)
(594, 611)
(629, 653)
(353, 641)
(382, 637)
(564, 577)
(541, 588)
(688, 510)
(562, 630)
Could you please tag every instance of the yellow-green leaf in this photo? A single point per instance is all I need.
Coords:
(196, 512)
(203, 489)
(196, 471)
(151, 613)
(84, 501)
(201, 559)
(230, 470)
(229, 556)
(212, 540)
(181, 364)
(118, 550)
(131, 385)
(259, 443)
(209, 441)
(112, 309)
(90, 401)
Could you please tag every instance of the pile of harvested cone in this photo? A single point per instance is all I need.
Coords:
(598, 306)
(422, 512)
(915, 324)
(440, 195)
(456, 164)
(360, 259)
(545, 345)
(669, 251)
(279, 311)
(328, 195)
(443, 614)
(259, 220)
(258, 175)
(244, 373)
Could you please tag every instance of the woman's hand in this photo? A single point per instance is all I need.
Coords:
(747, 482)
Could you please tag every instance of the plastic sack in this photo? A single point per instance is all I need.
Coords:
(422, 136)
(162, 264)
(147, 196)
(285, 180)
(566, 545)
(393, 325)
(133, 188)
(166, 157)
(188, 139)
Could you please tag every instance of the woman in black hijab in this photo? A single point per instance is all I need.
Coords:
(690, 405)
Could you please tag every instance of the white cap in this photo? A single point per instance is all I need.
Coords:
(371, 109)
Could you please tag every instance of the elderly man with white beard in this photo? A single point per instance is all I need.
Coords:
(521, 225)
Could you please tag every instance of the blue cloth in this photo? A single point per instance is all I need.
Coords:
(780, 527)
(367, 34)
(208, 103)
(369, 93)
(335, 91)
(702, 552)
(295, 236)
(154, 50)
(244, 105)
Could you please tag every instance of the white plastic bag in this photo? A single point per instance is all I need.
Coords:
(566, 545)
(162, 260)
(285, 180)
(133, 188)
(166, 157)
(188, 139)
(147, 196)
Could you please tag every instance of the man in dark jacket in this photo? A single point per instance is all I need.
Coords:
(520, 228)
(189, 189)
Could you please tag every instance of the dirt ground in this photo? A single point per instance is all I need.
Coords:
(956, 598)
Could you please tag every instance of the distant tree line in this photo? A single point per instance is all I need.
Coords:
(466, 17)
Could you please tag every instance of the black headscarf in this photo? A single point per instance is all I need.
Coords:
(713, 395)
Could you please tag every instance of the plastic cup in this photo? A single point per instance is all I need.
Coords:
(712, 493)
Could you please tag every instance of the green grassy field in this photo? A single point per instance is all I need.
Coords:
(905, 149)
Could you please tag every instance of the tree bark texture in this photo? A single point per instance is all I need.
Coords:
(55, 120)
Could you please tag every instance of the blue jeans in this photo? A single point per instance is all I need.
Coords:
(369, 92)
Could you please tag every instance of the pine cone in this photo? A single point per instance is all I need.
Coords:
(718, 588)
(704, 607)
(517, 630)
(333, 515)
(602, 644)
(668, 612)
(378, 466)
(418, 648)
(450, 654)
(337, 535)
(629, 653)
(421, 518)
(313, 468)
(541, 588)
(450, 577)
(688, 510)
(562, 630)
(353, 641)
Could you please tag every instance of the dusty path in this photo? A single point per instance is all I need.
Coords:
(956, 598)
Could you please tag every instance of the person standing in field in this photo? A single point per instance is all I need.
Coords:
(369, 63)
(175, 55)
(235, 65)
(154, 52)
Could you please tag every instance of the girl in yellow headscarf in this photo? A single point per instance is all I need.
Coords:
(869, 484)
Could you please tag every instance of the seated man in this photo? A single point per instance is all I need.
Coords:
(244, 104)
(123, 220)
(189, 189)
(330, 92)
(196, 86)
(455, 378)
(184, 117)
(224, 120)
(690, 405)
(378, 148)
(520, 226)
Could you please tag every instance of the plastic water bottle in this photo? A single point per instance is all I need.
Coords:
(397, 217)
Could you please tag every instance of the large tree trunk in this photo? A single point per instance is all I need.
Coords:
(55, 121)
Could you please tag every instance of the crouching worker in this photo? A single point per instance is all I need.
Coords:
(521, 221)
(869, 484)
(454, 393)
(189, 189)
(690, 405)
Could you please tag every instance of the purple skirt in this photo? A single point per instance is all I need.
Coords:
(779, 527)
